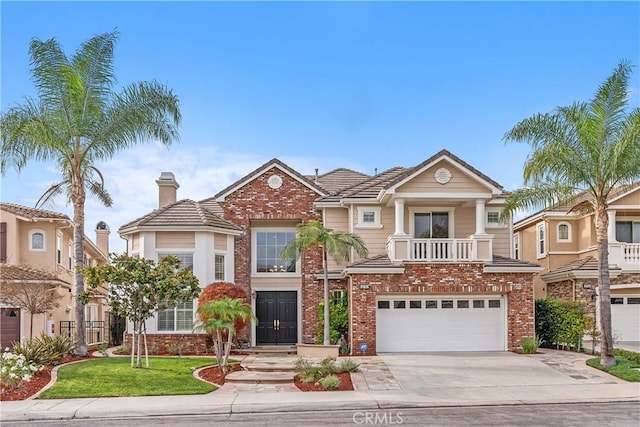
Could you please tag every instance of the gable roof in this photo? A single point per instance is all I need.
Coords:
(181, 214)
(31, 213)
(338, 179)
(369, 188)
(440, 155)
(265, 167)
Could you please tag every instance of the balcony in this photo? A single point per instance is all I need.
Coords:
(405, 248)
(625, 255)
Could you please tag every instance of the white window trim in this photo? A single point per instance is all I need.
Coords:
(488, 224)
(254, 253)
(44, 240)
(569, 232)
(450, 210)
(377, 220)
(58, 254)
(175, 320)
(224, 254)
(541, 226)
(516, 246)
(170, 251)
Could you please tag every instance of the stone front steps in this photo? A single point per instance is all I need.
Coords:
(273, 350)
(260, 377)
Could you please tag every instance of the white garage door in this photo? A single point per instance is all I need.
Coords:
(625, 317)
(419, 323)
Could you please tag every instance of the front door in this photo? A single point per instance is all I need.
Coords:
(277, 313)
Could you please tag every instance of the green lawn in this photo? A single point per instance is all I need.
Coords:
(623, 369)
(113, 376)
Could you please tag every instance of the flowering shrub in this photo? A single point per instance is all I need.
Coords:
(15, 368)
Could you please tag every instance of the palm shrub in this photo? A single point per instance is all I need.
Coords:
(330, 382)
(219, 290)
(44, 350)
(347, 365)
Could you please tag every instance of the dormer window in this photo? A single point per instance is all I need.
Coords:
(493, 219)
(564, 232)
(37, 240)
(369, 217)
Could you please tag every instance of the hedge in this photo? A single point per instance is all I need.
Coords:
(560, 323)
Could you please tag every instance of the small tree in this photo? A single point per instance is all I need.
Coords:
(138, 288)
(217, 318)
(35, 298)
(219, 290)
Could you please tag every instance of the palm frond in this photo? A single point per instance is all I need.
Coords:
(52, 192)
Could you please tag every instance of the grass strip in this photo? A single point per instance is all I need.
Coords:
(624, 368)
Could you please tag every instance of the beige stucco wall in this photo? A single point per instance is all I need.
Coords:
(631, 199)
(14, 244)
(563, 246)
(375, 238)
(175, 239)
(460, 182)
(275, 282)
(337, 219)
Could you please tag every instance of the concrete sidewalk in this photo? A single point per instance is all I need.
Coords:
(387, 387)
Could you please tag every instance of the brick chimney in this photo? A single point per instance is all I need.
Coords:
(102, 237)
(167, 189)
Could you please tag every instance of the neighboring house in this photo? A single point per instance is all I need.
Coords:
(564, 244)
(36, 247)
(439, 276)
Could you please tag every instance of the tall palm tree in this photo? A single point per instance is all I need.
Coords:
(581, 153)
(76, 121)
(336, 244)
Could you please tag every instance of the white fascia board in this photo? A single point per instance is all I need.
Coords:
(332, 276)
(178, 228)
(320, 205)
(625, 207)
(262, 171)
(465, 196)
(512, 269)
(626, 286)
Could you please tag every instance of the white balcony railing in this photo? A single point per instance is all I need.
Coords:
(625, 255)
(404, 248)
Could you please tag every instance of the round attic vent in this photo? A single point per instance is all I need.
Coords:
(275, 181)
(442, 175)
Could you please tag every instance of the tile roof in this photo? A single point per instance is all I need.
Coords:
(183, 213)
(339, 179)
(502, 261)
(272, 162)
(31, 213)
(369, 188)
(588, 263)
(378, 261)
(20, 273)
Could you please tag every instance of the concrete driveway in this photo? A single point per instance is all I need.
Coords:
(491, 369)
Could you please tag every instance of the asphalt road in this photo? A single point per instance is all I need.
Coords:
(565, 415)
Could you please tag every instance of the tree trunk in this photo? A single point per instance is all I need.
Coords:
(31, 327)
(78, 197)
(604, 286)
(327, 331)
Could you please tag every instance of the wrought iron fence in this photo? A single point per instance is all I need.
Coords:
(98, 331)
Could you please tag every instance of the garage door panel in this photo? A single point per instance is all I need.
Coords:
(440, 329)
(625, 317)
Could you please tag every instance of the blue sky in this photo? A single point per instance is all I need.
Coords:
(362, 85)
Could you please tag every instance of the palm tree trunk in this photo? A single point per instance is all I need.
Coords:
(78, 197)
(31, 327)
(604, 286)
(327, 333)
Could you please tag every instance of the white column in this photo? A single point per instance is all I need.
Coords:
(399, 204)
(611, 230)
(480, 216)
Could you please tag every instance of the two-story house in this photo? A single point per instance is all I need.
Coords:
(564, 244)
(36, 248)
(439, 276)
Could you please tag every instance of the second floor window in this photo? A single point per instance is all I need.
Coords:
(59, 249)
(628, 231)
(186, 259)
(541, 240)
(564, 232)
(516, 246)
(268, 249)
(36, 242)
(431, 225)
(219, 268)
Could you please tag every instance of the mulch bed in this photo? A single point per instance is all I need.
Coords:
(345, 384)
(26, 389)
(214, 374)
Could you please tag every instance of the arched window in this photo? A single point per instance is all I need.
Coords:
(37, 240)
(564, 232)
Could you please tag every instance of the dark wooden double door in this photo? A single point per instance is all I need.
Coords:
(277, 313)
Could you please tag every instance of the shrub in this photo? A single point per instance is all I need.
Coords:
(347, 365)
(330, 382)
(328, 365)
(15, 368)
(219, 290)
(338, 319)
(44, 349)
(631, 356)
(175, 348)
(302, 365)
(530, 345)
(560, 323)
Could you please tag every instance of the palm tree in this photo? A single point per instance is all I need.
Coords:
(581, 153)
(333, 243)
(218, 318)
(77, 121)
